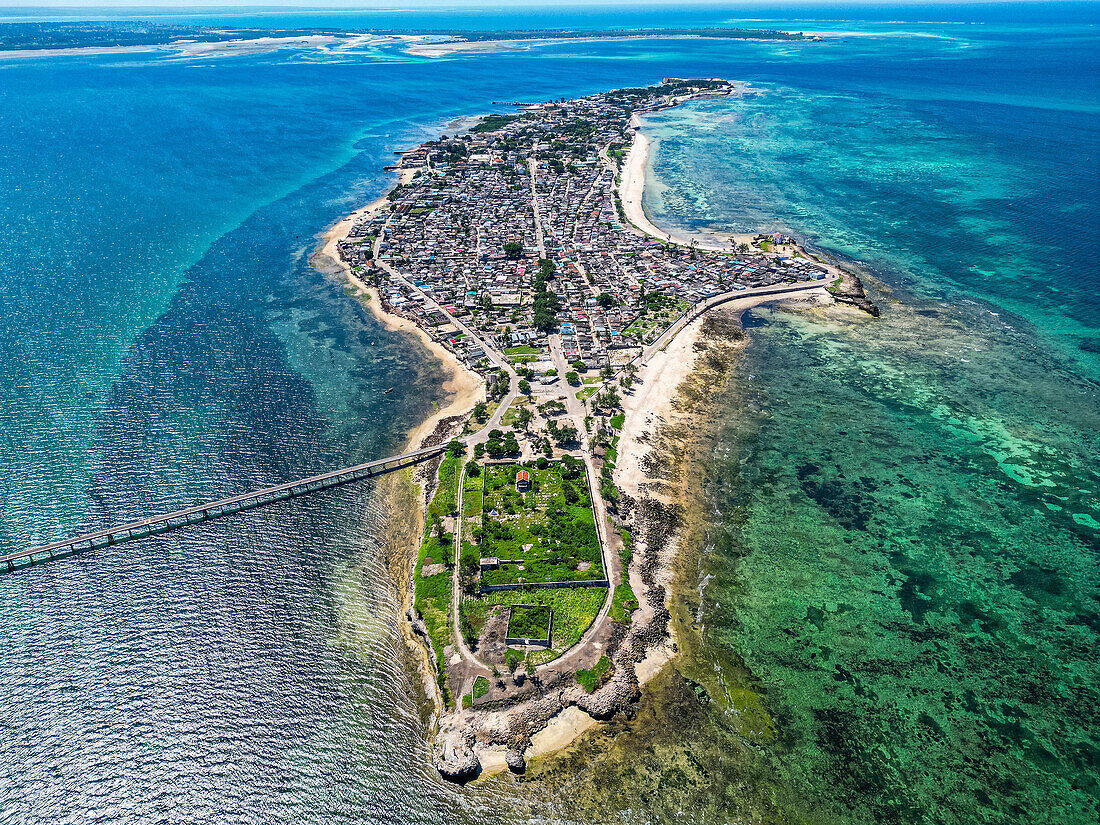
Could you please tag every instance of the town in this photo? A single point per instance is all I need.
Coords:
(511, 247)
(517, 229)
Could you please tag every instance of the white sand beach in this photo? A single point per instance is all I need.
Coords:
(632, 193)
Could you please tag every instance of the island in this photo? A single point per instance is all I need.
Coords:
(39, 35)
(588, 341)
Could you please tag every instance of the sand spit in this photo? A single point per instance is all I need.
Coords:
(227, 48)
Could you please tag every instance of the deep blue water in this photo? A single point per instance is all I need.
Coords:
(166, 341)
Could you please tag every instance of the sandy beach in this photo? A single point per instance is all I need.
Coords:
(464, 388)
(632, 191)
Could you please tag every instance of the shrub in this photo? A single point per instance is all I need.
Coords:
(481, 687)
(590, 679)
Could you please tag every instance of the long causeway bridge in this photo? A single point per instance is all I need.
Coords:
(215, 509)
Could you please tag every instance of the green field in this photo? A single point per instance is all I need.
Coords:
(435, 563)
(590, 679)
(529, 621)
(481, 687)
(546, 534)
(574, 608)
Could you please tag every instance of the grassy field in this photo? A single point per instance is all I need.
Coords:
(543, 535)
(590, 679)
(529, 621)
(575, 608)
(434, 565)
(471, 491)
(481, 687)
(510, 414)
(433, 596)
(444, 500)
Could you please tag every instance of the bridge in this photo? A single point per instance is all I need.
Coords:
(215, 509)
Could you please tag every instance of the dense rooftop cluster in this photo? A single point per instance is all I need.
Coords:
(526, 206)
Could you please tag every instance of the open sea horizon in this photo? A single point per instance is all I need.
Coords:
(898, 558)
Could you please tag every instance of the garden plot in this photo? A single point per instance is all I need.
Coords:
(536, 525)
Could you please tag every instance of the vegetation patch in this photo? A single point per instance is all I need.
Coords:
(574, 608)
(444, 500)
(590, 679)
(623, 603)
(537, 525)
(529, 621)
(493, 122)
(481, 687)
(433, 597)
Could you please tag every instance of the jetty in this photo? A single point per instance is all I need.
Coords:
(164, 522)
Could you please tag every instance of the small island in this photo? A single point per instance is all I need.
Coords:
(521, 253)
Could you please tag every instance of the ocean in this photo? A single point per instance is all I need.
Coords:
(895, 551)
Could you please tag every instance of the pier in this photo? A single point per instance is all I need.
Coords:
(214, 509)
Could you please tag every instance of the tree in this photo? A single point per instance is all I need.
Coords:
(480, 410)
(606, 300)
(573, 378)
(567, 435)
(546, 306)
(607, 372)
(578, 364)
(607, 398)
(525, 386)
(456, 448)
(513, 250)
(524, 417)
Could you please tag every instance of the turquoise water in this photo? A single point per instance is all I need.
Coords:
(904, 558)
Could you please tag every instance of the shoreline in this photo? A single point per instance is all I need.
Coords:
(632, 196)
(463, 388)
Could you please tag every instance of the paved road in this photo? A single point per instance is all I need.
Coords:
(535, 207)
(710, 303)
